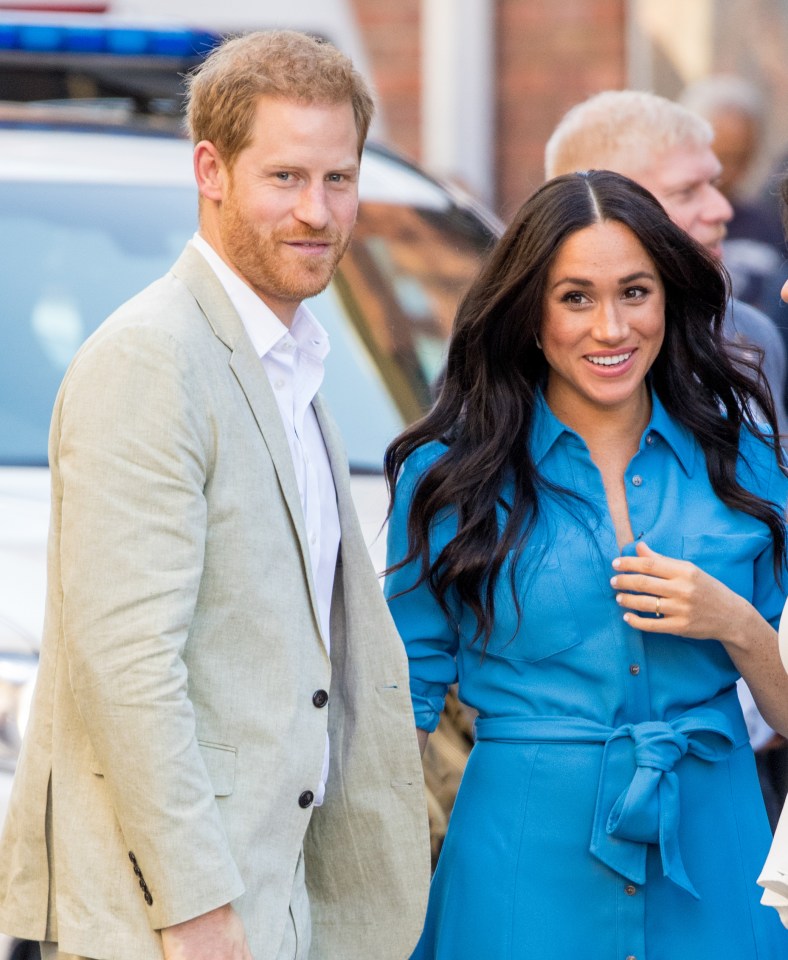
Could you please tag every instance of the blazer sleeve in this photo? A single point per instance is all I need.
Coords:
(430, 637)
(131, 448)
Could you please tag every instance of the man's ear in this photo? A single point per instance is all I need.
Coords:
(210, 171)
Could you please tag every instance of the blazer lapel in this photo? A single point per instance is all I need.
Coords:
(348, 519)
(212, 299)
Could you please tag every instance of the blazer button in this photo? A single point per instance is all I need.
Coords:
(320, 698)
(306, 798)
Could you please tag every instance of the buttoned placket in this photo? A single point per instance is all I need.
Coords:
(642, 506)
(587, 480)
(299, 374)
(280, 350)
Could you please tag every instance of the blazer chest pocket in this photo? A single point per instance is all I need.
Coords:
(729, 558)
(220, 764)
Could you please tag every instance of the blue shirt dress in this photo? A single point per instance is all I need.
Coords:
(610, 808)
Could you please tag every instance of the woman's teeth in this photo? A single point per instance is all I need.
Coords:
(610, 361)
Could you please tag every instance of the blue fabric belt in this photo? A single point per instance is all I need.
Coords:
(638, 796)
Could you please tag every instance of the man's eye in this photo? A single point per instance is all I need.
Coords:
(284, 175)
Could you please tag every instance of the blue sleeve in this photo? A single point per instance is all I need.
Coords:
(765, 478)
(430, 639)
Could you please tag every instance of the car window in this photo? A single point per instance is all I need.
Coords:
(70, 253)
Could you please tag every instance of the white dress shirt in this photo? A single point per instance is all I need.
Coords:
(293, 361)
(774, 876)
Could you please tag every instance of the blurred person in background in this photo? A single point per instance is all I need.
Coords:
(668, 149)
(588, 533)
(220, 762)
(754, 249)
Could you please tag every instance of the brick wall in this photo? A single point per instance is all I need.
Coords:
(550, 54)
(391, 31)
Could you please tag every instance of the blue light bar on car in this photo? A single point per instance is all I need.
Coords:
(113, 41)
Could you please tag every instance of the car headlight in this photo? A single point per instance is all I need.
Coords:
(18, 668)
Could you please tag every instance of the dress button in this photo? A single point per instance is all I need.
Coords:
(637, 480)
(650, 439)
(634, 669)
(630, 890)
(305, 800)
(320, 698)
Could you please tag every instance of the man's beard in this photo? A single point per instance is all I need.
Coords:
(267, 264)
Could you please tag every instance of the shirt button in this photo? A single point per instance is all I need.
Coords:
(279, 384)
(305, 800)
(630, 890)
(320, 698)
(637, 480)
(313, 538)
(634, 669)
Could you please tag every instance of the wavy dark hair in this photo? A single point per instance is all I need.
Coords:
(495, 370)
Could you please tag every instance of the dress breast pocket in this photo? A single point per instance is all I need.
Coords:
(730, 558)
(547, 624)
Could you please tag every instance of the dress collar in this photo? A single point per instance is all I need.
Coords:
(547, 429)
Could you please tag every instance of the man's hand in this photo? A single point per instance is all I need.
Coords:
(216, 935)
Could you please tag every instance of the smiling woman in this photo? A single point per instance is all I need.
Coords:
(603, 324)
(587, 532)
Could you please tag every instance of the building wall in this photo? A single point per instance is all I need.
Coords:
(549, 56)
(391, 29)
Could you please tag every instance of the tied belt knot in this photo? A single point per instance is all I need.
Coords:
(638, 798)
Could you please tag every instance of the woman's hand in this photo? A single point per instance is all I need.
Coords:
(687, 602)
(693, 604)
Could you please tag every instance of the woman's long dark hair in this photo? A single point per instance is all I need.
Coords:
(494, 371)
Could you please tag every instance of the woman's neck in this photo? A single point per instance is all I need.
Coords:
(600, 426)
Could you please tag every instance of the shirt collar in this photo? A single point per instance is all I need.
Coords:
(263, 327)
(547, 429)
(681, 440)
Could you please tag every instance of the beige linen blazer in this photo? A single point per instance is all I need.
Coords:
(173, 728)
